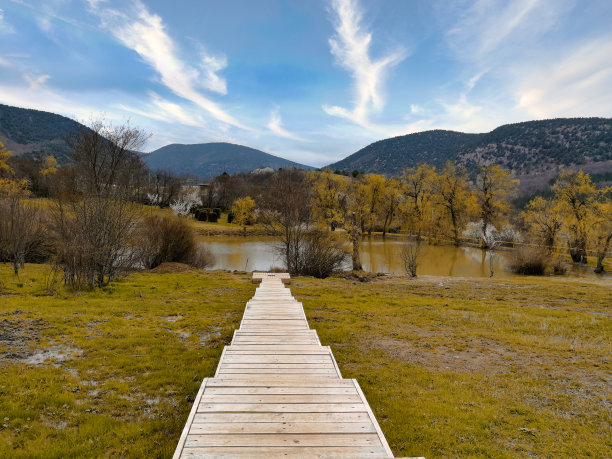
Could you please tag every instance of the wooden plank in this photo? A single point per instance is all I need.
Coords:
(292, 440)
(281, 390)
(276, 358)
(258, 452)
(273, 398)
(273, 371)
(281, 427)
(317, 418)
(190, 418)
(380, 434)
(283, 407)
(276, 366)
(286, 381)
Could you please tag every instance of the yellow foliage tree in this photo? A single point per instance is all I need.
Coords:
(328, 197)
(374, 187)
(574, 196)
(543, 219)
(417, 191)
(452, 196)
(493, 189)
(389, 203)
(244, 211)
(602, 226)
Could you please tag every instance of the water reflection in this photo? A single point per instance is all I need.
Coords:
(377, 255)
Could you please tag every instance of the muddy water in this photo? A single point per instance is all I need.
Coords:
(377, 255)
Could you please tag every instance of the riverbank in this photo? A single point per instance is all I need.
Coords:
(451, 366)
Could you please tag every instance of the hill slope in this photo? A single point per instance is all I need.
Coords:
(535, 150)
(34, 133)
(211, 159)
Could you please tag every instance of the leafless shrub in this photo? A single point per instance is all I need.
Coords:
(531, 261)
(558, 266)
(161, 239)
(23, 234)
(95, 217)
(319, 254)
(411, 254)
(92, 237)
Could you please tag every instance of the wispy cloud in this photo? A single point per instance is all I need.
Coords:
(5, 27)
(351, 48)
(520, 48)
(276, 126)
(577, 85)
(163, 110)
(138, 29)
(36, 81)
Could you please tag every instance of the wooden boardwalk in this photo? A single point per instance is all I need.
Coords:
(278, 393)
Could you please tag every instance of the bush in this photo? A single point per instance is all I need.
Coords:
(530, 261)
(213, 217)
(558, 266)
(168, 238)
(319, 254)
(201, 215)
(230, 217)
(217, 211)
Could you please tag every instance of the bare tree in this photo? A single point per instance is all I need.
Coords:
(285, 210)
(411, 254)
(22, 232)
(93, 223)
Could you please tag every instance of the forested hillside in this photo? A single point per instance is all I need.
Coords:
(531, 149)
(35, 133)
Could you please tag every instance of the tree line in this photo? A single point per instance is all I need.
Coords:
(437, 206)
(98, 225)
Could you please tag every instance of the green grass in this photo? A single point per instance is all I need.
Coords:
(134, 352)
(451, 367)
(456, 368)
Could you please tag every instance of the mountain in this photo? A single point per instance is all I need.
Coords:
(34, 133)
(212, 159)
(536, 151)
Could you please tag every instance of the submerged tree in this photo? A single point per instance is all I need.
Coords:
(493, 190)
(574, 196)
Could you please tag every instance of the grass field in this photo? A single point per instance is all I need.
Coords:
(457, 368)
(110, 372)
(451, 367)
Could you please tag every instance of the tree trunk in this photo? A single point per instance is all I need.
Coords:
(356, 258)
(601, 255)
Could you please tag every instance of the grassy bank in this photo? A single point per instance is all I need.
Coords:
(110, 372)
(456, 368)
(451, 367)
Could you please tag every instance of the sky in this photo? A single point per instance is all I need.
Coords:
(312, 81)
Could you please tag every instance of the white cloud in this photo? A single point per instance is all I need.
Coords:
(5, 27)
(145, 33)
(537, 68)
(163, 110)
(498, 28)
(36, 81)
(577, 85)
(351, 47)
(276, 126)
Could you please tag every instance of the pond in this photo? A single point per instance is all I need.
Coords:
(377, 255)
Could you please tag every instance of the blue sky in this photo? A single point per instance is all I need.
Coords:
(309, 80)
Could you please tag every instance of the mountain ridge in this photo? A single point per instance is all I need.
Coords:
(211, 159)
(535, 151)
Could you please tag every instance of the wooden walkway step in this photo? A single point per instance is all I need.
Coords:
(278, 393)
